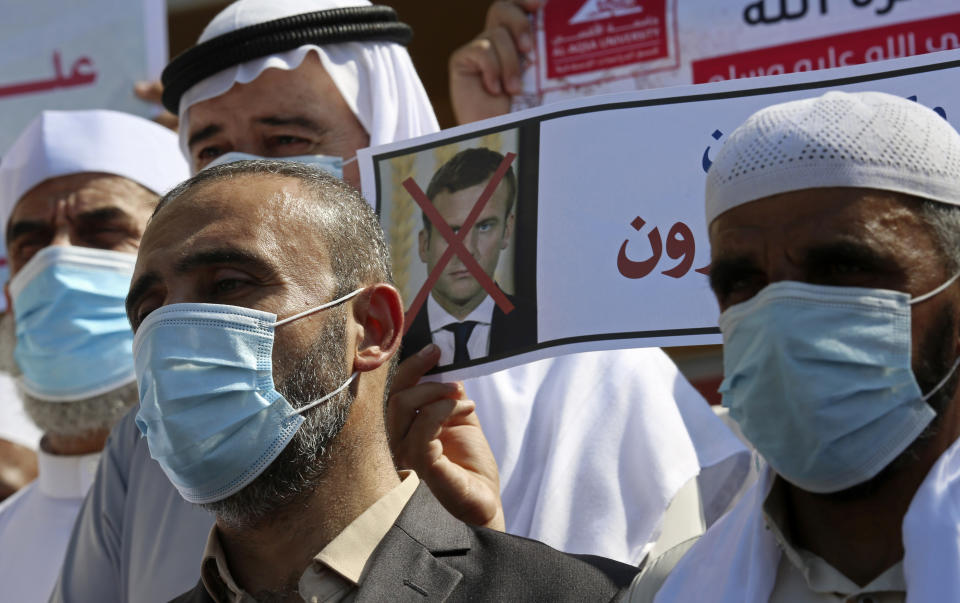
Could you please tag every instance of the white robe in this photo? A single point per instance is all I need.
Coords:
(15, 425)
(736, 560)
(35, 525)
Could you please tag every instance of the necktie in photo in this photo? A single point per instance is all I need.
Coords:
(461, 335)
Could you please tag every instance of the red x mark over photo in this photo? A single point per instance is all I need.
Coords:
(455, 242)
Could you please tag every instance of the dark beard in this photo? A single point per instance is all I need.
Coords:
(298, 470)
(936, 360)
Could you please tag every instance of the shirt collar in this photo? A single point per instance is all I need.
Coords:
(820, 576)
(440, 318)
(66, 476)
(347, 554)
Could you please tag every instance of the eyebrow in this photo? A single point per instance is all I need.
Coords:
(24, 227)
(724, 270)
(208, 132)
(293, 120)
(211, 257)
(102, 214)
(852, 251)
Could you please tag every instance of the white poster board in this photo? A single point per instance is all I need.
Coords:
(57, 54)
(609, 246)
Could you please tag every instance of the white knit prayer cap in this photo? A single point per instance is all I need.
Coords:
(864, 139)
(61, 143)
(376, 79)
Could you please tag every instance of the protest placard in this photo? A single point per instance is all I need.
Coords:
(589, 47)
(77, 55)
(583, 220)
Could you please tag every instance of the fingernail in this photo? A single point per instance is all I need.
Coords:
(141, 86)
(526, 42)
(496, 87)
(429, 350)
(515, 85)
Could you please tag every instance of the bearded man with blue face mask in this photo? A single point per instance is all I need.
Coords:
(263, 362)
(75, 195)
(835, 233)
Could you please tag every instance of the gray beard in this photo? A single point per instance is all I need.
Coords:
(299, 469)
(71, 419)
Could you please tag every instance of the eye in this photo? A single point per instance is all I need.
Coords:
(286, 143)
(229, 282)
(734, 289)
(147, 305)
(26, 247)
(227, 285)
(209, 153)
(142, 312)
(845, 268)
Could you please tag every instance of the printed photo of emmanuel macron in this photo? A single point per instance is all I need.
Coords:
(459, 315)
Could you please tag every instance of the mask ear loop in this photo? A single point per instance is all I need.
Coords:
(956, 363)
(349, 161)
(943, 381)
(345, 385)
(940, 289)
(329, 304)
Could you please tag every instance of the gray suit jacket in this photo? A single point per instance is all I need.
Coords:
(428, 555)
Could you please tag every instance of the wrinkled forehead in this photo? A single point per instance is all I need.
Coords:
(820, 216)
(262, 211)
(83, 191)
(292, 83)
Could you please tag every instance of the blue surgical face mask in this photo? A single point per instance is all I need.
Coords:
(333, 165)
(208, 406)
(819, 380)
(73, 337)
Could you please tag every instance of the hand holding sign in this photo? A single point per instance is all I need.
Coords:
(485, 72)
(434, 430)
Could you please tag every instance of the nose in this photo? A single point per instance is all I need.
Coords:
(471, 243)
(61, 223)
(781, 266)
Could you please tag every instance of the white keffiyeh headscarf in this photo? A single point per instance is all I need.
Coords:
(376, 79)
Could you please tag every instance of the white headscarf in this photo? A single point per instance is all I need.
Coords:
(377, 79)
(865, 139)
(60, 143)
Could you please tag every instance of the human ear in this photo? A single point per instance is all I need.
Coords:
(424, 244)
(507, 231)
(379, 314)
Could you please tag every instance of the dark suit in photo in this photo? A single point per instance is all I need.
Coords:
(508, 332)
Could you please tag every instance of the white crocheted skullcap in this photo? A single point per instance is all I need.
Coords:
(863, 139)
(61, 143)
